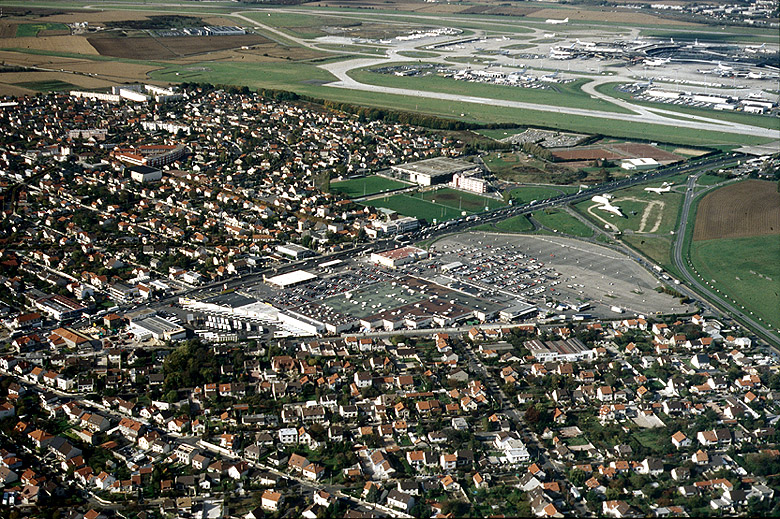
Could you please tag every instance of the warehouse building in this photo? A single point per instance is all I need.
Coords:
(570, 350)
(291, 279)
(156, 327)
(397, 257)
(438, 170)
(294, 251)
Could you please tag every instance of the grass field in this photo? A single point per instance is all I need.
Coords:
(563, 222)
(747, 269)
(501, 133)
(410, 206)
(24, 30)
(417, 54)
(53, 85)
(525, 194)
(645, 212)
(371, 185)
(515, 224)
(657, 249)
(440, 205)
(562, 95)
(461, 200)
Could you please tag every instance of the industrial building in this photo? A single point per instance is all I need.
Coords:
(570, 350)
(397, 257)
(642, 164)
(294, 251)
(143, 174)
(155, 327)
(438, 170)
(291, 279)
(60, 307)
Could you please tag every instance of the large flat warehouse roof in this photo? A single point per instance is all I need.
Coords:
(436, 166)
(291, 278)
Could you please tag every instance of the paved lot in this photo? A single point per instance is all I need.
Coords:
(564, 269)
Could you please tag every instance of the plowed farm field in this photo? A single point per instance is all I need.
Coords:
(748, 208)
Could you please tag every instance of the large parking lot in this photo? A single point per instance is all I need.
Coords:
(551, 269)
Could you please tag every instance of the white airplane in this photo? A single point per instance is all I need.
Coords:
(721, 66)
(656, 62)
(606, 205)
(553, 21)
(665, 188)
(755, 48)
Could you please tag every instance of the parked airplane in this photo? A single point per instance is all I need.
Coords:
(606, 205)
(665, 188)
(657, 62)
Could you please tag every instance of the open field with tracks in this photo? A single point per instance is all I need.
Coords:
(747, 269)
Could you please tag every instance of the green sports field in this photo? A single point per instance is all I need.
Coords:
(747, 269)
(440, 205)
(370, 185)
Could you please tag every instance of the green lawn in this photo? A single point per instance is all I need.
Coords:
(636, 204)
(657, 249)
(32, 29)
(410, 206)
(53, 85)
(654, 439)
(747, 269)
(709, 179)
(515, 224)
(370, 185)
(525, 194)
(461, 200)
(417, 54)
(570, 94)
(563, 222)
(501, 133)
(440, 205)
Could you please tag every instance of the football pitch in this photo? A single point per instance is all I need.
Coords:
(440, 205)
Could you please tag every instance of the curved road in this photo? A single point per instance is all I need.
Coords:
(768, 334)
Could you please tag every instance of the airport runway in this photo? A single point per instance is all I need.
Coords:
(642, 115)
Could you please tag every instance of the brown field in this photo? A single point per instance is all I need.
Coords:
(645, 151)
(107, 70)
(747, 208)
(586, 154)
(614, 151)
(72, 44)
(606, 15)
(7, 30)
(148, 48)
(74, 79)
(264, 53)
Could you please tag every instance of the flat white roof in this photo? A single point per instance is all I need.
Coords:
(291, 278)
